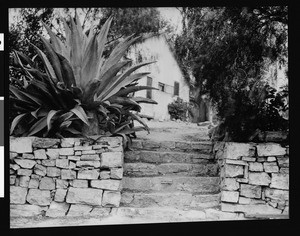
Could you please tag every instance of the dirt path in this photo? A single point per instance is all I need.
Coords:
(174, 131)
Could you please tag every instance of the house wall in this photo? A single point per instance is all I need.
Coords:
(165, 70)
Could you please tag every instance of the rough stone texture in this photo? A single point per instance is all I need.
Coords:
(79, 210)
(104, 174)
(88, 174)
(68, 174)
(21, 145)
(255, 166)
(234, 170)
(236, 162)
(46, 175)
(52, 153)
(12, 179)
(284, 170)
(182, 145)
(62, 163)
(116, 173)
(111, 159)
(95, 164)
(80, 183)
(137, 144)
(27, 164)
(60, 183)
(270, 159)
(90, 157)
(249, 159)
(66, 151)
(167, 184)
(262, 159)
(215, 214)
(26, 210)
(251, 209)
(18, 195)
(280, 181)
(74, 158)
(100, 211)
(84, 196)
(230, 184)
(39, 197)
(251, 191)
(82, 148)
(40, 154)
(13, 155)
(40, 170)
(88, 152)
(230, 196)
(48, 162)
(14, 166)
(283, 161)
(259, 178)
(67, 142)
(245, 200)
(270, 149)
(24, 181)
(24, 172)
(57, 209)
(140, 169)
(286, 210)
(53, 171)
(60, 195)
(45, 142)
(47, 183)
(271, 167)
(236, 150)
(108, 184)
(263, 190)
(111, 199)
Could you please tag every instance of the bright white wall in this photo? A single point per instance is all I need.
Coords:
(165, 70)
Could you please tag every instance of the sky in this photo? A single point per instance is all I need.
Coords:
(170, 14)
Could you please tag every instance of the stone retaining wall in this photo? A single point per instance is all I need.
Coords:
(71, 176)
(254, 178)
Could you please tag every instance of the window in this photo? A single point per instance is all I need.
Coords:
(161, 87)
(149, 91)
(176, 89)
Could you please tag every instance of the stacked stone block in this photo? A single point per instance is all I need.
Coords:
(59, 177)
(254, 178)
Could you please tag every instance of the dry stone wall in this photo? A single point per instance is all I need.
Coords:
(254, 178)
(59, 177)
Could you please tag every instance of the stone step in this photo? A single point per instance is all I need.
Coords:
(200, 147)
(139, 169)
(173, 183)
(167, 157)
(177, 200)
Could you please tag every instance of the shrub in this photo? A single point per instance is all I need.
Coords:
(179, 109)
(79, 92)
(251, 111)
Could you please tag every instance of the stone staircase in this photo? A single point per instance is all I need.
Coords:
(170, 174)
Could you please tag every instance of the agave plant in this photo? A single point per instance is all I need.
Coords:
(80, 91)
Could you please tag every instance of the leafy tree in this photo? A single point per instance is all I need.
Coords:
(225, 50)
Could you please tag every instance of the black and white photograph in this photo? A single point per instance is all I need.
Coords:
(147, 115)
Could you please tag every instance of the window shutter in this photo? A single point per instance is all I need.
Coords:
(176, 88)
(149, 91)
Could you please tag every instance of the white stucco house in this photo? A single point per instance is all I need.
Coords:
(165, 75)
